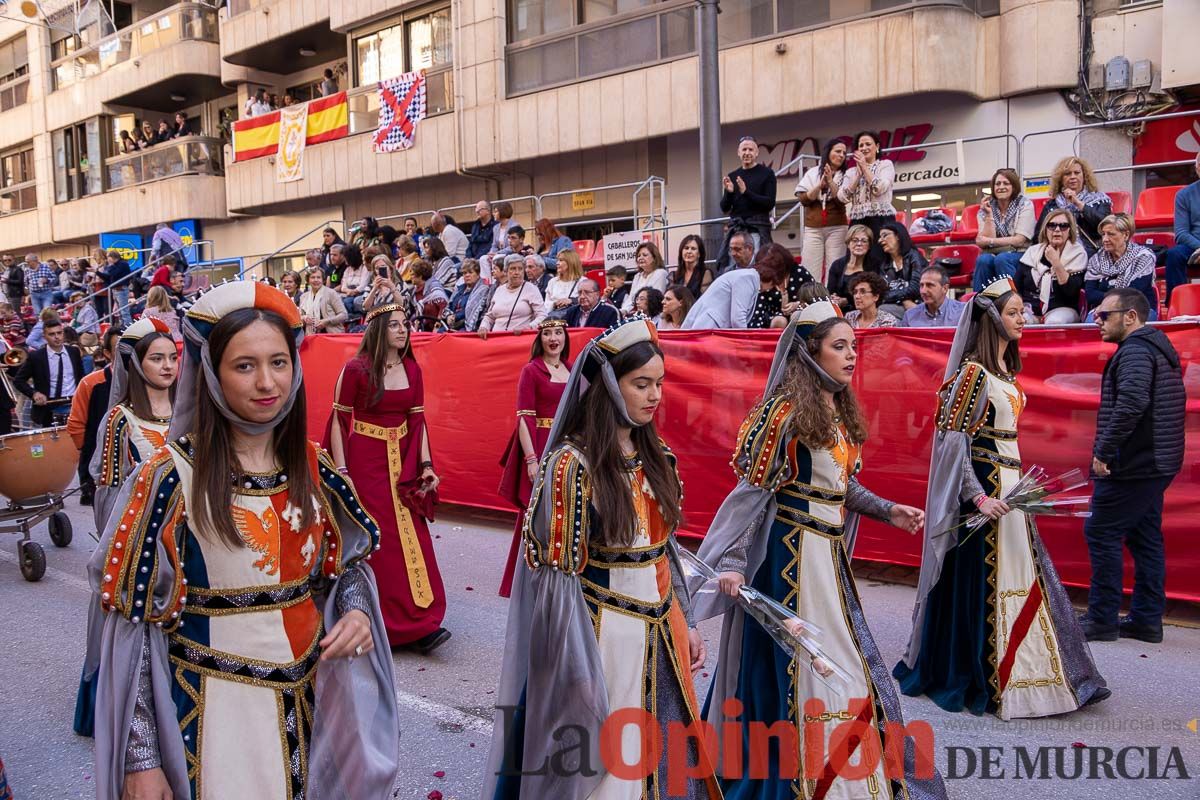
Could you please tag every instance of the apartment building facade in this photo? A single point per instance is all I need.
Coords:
(545, 99)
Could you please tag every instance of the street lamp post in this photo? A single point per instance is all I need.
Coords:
(709, 120)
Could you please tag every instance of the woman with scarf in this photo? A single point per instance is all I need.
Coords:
(993, 629)
(599, 613)
(1050, 277)
(796, 458)
(1073, 188)
(1120, 264)
(240, 613)
(539, 389)
(1006, 226)
(377, 435)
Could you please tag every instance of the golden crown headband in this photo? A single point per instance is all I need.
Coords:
(388, 308)
(552, 323)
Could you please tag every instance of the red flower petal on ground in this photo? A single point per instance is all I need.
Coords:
(439, 774)
(1078, 744)
(434, 795)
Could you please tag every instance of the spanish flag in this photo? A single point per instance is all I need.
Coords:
(328, 119)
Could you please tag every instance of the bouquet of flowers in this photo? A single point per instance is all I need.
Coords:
(795, 635)
(1037, 493)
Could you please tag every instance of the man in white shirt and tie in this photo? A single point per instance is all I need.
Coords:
(55, 370)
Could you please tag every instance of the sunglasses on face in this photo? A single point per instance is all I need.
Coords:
(860, 241)
(1102, 316)
(1058, 226)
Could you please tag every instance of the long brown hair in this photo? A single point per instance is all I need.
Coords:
(592, 425)
(812, 418)
(375, 350)
(538, 349)
(987, 337)
(213, 455)
(136, 391)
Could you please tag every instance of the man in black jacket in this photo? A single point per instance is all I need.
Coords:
(479, 242)
(748, 198)
(589, 312)
(55, 370)
(1138, 451)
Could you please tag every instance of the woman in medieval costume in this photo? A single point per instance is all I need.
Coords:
(787, 530)
(381, 441)
(599, 615)
(993, 629)
(237, 649)
(539, 390)
(140, 399)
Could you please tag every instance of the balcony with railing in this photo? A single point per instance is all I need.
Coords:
(150, 64)
(190, 155)
(279, 35)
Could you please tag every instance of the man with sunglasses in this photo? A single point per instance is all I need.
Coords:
(748, 199)
(1138, 451)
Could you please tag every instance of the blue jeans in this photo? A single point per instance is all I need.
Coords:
(42, 299)
(992, 267)
(1127, 513)
(120, 303)
(1177, 268)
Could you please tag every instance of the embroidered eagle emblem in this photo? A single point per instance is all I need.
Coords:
(261, 535)
(155, 438)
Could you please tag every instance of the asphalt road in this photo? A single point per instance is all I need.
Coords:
(446, 699)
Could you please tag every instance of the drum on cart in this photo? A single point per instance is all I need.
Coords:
(36, 467)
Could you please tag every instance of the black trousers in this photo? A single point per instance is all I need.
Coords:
(1129, 514)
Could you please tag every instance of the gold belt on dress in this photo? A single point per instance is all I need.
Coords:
(410, 545)
(545, 422)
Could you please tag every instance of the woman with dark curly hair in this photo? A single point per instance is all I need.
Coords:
(866, 290)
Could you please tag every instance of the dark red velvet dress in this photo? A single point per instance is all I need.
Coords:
(537, 401)
(383, 454)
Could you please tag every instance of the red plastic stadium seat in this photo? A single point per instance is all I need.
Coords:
(595, 258)
(968, 225)
(585, 248)
(1156, 239)
(968, 253)
(1156, 207)
(1185, 300)
(933, 238)
(1038, 204)
(596, 275)
(1122, 202)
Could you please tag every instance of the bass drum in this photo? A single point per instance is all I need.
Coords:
(36, 463)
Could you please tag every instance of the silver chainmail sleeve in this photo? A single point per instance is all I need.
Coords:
(971, 487)
(863, 501)
(736, 557)
(679, 582)
(353, 593)
(141, 753)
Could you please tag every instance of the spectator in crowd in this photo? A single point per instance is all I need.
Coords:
(12, 327)
(42, 283)
(690, 269)
(73, 279)
(50, 374)
(339, 260)
(182, 127)
(868, 289)
(148, 137)
(1138, 451)
(1187, 234)
(677, 302)
(563, 289)
(444, 267)
(811, 293)
(616, 290)
(731, 300)
(858, 247)
(550, 242)
(167, 242)
(651, 272)
(353, 287)
(901, 268)
(273, 99)
(429, 295)
(937, 308)
(454, 239)
(1120, 264)
(535, 273)
(178, 292)
(741, 249)
(775, 304)
(387, 285)
(516, 305)
(321, 308)
(289, 284)
(329, 238)
(312, 261)
(867, 190)
(364, 233)
(479, 243)
(413, 230)
(467, 303)
(36, 337)
(88, 409)
(163, 134)
(649, 303)
(14, 282)
(115, 275)
(824, 212)
(591, 311)
(125, 143)
(329, 85)
(288, 100)
(158, 306)
(409, 253)
(389, 235)
(514, 243)
(504, 221)
(83, 316)
(748, 199)
(1073, 188)
(1006, 227)
(1050, 278)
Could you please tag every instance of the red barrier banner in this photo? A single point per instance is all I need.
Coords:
(714, 377)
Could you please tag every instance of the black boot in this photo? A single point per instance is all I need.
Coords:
(1143, 633)
(1095, 632)
(432, 641)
